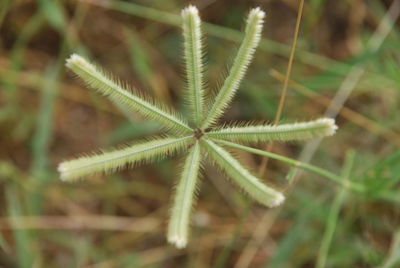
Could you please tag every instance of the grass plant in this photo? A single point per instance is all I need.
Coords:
(199, 135)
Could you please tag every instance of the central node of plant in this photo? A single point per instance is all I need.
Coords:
(198, 133)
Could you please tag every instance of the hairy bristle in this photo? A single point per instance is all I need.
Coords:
(247, 132)
(193, 54)
(242, 177)
(190, 10)
(240, 65)
(121, 94)
(107, 162)
(178, 227)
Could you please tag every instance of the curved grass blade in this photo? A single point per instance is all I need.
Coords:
(239, 67)
(109, 162)
(241, 176)
(285, 132)
(178, 227)
(120, 94)
(191, 24)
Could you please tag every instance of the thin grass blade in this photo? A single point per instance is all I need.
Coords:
(333, 216)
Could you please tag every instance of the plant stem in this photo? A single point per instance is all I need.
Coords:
(334, 214)
(320, 171)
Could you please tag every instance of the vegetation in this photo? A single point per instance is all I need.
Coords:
(118, 219)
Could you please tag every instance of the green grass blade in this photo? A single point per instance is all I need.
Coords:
(117, 159)
(24, 241)
(140, 57)
(242, 61)
(286, 132)
(242, 177)
(334, 214)
(118, 93)
(54, 13)
(294, 237)
(317, 170)
(178, 229)
(42, 137)
(191, 24)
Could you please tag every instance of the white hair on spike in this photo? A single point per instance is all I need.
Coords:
(280, 198)
(179, 242)
(252, 36)
(247, 132)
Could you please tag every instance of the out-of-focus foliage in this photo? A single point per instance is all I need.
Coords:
(119, 220)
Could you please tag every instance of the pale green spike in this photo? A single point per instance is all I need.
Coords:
(114, 90)
(114, 160)
(249, 183)
(236, 73)
(178, 228)
(285, 132)
(193, 60)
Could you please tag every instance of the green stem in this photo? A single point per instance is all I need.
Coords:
(320, 171)
(334, 214)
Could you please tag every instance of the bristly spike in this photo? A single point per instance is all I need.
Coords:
(242, 177)
(285, 132)
(178, 228)
(193, 51)
(243, 58)
(97, 79)
(114, 160)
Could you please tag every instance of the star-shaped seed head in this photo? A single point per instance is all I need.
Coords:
(198, 136)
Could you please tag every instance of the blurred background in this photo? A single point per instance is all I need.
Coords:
(347, 55)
